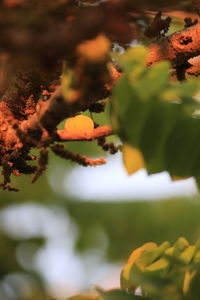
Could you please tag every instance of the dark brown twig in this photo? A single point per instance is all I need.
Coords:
(107, 146)
(81, 160)
(42, 164)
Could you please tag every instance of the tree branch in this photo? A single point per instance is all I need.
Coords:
(101, 131)
(178, 47)
(50, 113)
(80, 159)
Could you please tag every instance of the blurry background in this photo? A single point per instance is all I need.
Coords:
(75, 227)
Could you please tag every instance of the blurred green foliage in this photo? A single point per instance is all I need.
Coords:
(127, 225)
(165, 271)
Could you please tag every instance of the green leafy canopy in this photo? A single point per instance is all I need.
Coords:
(157, 115)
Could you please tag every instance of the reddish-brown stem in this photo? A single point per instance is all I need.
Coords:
(100, 131)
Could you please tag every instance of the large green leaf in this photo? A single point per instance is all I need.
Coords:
(157, 116)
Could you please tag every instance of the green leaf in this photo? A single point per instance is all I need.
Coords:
(194, 288)
(187, 255)
(181, 151)
(160, 264)
(180, 246)
(125, 278)
(187, 280)
(134, 57)
(163, 272)
(84, 297)
(156, 116)
(139, 261)
(154, 135)
(154, 80)
(150, 253)
(118, 294)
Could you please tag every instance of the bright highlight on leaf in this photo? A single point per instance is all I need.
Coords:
(132, 158)
(79, 124)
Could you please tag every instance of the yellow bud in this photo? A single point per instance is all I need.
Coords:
(79, 124)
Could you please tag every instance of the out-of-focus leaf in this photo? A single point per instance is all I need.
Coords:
(84, 297)
(187, 280)
(152, 82)
(171, 275)
(187, 255)
(194, 290)
(160, 264)
(155, 116)
(117, 294)
(125, 274)
(132, 158)
(180, 246)
(150, 252)
(140, 260)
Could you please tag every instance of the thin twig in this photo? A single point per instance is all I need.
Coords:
(80, 159)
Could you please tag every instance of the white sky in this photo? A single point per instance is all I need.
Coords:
(110, 182)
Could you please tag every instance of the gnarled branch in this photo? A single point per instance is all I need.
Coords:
(178, 47)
